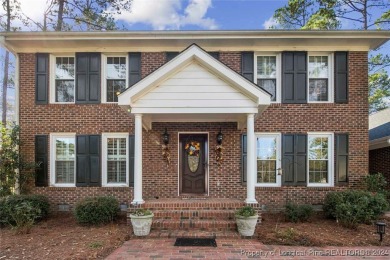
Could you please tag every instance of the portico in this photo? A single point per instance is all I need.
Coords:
(194, 87)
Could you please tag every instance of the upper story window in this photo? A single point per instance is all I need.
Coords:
(268, 74)
(63, 150)
(320, 78)
(63, 82)
(268, 159)
(115, 77)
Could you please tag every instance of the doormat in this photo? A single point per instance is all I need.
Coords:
(187, 241)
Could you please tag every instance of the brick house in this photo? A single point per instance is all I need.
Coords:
(290, 107)
(379, 125)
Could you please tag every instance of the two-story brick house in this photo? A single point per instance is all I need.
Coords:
(291, 108)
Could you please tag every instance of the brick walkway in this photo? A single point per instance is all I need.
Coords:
(240, 249)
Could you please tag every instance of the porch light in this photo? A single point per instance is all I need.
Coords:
(380, 229)
(280, 171)
(165, 137)
(219, 137)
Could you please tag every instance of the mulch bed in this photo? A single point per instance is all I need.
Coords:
(60, 237)
(318, 231)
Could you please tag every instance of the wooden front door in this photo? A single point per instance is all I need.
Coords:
(193, 163)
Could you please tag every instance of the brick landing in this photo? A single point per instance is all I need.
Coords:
(239, 249)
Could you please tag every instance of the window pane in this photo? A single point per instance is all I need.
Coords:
(266, 171)
(64, 68)
(116, 68)
(266, 148)
(114, 88)
(266, 66)
(116, 160)
(64, 91)
(269, 85)
(65, 160)
(318, 67)
(318, 90)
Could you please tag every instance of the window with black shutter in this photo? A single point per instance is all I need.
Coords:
(41, 159)
(41, 78)
(294, 159)
(135, 72)
(131, 160)
(88, 78)
(243, 158)
(294, 77)
(88, 161)
(342, 155)
(341, 77)
(247, 65)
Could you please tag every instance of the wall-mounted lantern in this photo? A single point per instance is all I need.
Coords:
(165, 137)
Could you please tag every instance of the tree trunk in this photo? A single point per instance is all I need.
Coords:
(60, 16)
(5, 75)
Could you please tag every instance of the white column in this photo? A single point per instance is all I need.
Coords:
(251, 159)
(138, 160)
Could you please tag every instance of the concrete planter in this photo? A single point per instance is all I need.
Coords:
(246, 225)
(141, 224)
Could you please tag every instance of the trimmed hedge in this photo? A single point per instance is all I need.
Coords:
(36, 203)
(96, 210)
(353, 207)
(295, 213)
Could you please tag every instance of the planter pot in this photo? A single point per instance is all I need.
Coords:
(141, 224)
(246, 225)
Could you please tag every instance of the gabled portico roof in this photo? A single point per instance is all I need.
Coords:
(194, 87)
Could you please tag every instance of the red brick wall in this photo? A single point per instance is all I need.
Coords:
(224, 181)
(380, 162)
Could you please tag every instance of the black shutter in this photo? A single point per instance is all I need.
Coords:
(294, 77)
(131, 160)
(41, 155)
(247, 65)
(342, 144)
(341, 77)
(214, 54)
(294, 159)
(170, 55)
(134, 68)
(88, 78)
(243, 157)
(88, 160)
(41, 78)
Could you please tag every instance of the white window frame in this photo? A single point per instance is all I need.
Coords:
(53, 137)
(105, 136)
(278, 72)
(52, 83)
(104, 71)
(278, 159)
(330, 137)
(330, 76)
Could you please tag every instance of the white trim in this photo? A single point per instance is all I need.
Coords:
(380, 143)
(278, 158)
(53, 137)
(104, 159)
(278, 72)
(207, 179)
(330, 137)
(330, 76)
(52, 73)
(104, 57)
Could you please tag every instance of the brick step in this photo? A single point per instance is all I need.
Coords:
(194, 214)
(187, 224)
(193, 233)
(212, 204)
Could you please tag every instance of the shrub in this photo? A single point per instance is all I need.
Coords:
(8, 204)
(23, 216)
(375, 182)
(96, 210)
(142, 212)
(246, 212)
(295, 213)
(353, 207)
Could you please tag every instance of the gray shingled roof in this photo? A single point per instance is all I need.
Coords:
(380, 124)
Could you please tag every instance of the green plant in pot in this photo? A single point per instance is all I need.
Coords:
(246, 219)
(141, 220)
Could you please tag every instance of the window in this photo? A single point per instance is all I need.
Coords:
(62, 159)
(267, 71)
(320, 159)
(63, 82)
(115, 160)
(320, 79)
(268, 159)
(115, 79)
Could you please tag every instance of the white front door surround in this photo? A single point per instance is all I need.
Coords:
(194, 87)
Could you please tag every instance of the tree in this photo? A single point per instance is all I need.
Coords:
(327, 14)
